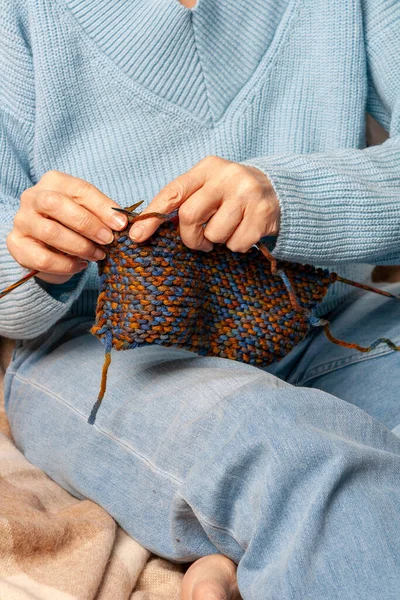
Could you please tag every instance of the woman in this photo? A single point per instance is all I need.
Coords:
(249, 118)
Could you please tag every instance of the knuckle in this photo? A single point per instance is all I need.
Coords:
(187, 214)
(51, 176)
(14, 245)
(215, 237)
(81, 189)
(174, 190)
(246, 186)
(18, 219)
(43, 262)
(83, 221)
(169, 196)
(10, 242)
(234, 169)
(84, 249)
(49, 201)
(67, 265)
(190, 242)
(27, 195)
(236, 246)
(48, 230)
(211, 159)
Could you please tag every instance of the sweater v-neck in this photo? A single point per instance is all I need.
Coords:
(197, 58)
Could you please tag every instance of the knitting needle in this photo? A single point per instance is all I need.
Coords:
(129, 209)
(363, 286)
(17, 284)
(133, 217)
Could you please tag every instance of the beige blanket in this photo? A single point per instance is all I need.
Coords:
(55, 547)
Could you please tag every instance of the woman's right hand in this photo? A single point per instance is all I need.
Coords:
(62, 214)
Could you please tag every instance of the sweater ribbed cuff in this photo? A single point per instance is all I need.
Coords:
(334, 208)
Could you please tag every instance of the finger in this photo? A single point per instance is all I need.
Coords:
(194, 214)
(223, 224)
(60, 237)
(84, 193)
(173, 195)
(67, 212)
(31, 254)
(245, 236)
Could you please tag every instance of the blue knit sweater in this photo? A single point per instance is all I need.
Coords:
(128, 94)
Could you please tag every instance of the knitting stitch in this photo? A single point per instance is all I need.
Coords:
(219, 303)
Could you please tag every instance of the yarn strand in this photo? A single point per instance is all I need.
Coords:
(326, 327)
(104, 373)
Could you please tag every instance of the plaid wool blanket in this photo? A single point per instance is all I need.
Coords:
(55, 547)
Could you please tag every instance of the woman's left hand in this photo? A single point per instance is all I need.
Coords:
(219, 201)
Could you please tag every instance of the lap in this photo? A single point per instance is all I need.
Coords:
(160, 403)
(68, 359)
(67, 362)
(177, 431)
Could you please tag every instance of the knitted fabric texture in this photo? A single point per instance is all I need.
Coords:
(219, 303)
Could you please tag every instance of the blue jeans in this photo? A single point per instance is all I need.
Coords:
(193, 456)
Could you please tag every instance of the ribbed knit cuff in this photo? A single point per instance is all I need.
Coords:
(30, 310)
(298, 239)
(335, 208)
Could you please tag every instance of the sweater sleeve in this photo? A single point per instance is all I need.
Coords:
(344, 206)
(30, 310)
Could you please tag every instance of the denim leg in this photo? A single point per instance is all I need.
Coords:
(194, 456)
(367, 380)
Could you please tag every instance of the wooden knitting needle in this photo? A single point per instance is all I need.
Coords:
(129, 209)
(334, 276)
(133, 217)
(17, 284)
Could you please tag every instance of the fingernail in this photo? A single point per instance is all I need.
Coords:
(136, 233)
(120, 221)
(105, 236)
(99, 254)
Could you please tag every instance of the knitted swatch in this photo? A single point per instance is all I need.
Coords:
(244, 307)
(219, 303)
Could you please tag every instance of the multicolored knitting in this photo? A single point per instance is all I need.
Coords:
(246, 307)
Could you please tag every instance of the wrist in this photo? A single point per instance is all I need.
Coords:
(273, 217)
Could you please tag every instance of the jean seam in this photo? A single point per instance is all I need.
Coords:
(130, 449)
(335, 365)
(202, 519)
(103, 431)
